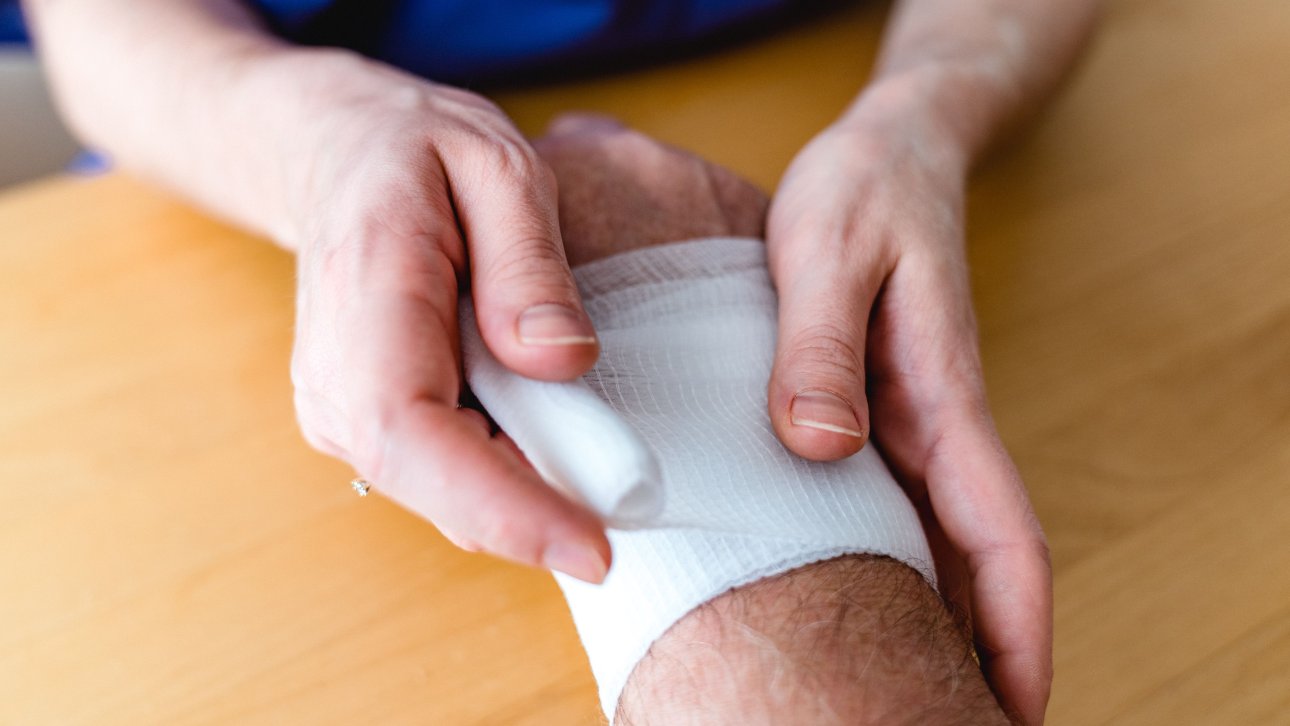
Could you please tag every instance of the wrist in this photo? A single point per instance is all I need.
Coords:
(240, 123)
(939, 109)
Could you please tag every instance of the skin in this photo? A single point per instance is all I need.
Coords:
(855, 641)
(399, 193)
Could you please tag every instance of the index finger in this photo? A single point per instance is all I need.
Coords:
(399, 331)
(981, 504)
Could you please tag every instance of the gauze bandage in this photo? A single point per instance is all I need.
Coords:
(669, 439)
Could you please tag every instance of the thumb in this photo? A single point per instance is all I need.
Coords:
(527, 305)
(816, 397)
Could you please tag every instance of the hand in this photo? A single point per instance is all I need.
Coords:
(866, 249)
(621, 190)
(405, 189)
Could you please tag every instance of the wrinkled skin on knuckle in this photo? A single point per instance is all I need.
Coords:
(823, 352)
(516, 159)
(502, 533)
(528, 265)
(517, 188)
(378, 427)
(509, 159)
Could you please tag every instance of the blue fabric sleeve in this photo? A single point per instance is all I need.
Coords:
(457, 40)
(12, 28)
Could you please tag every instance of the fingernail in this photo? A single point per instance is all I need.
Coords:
(552, 324)
(825, 411)
(581, 562)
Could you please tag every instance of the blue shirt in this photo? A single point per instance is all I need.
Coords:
(473, 40)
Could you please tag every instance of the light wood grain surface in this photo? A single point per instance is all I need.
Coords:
(172, 553)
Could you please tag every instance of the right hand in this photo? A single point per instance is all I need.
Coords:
(405, 189)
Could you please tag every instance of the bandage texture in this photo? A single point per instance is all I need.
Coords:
(687, 335)
(569, 434)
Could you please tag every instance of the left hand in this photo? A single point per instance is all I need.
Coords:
(866, 249)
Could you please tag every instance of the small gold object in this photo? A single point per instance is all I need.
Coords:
(361, 487)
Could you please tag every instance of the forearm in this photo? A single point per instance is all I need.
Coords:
(197, 95)
(958, 75)
(853, 640)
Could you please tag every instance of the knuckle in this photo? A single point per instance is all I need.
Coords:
(536, 262)
(370, 434)
(515, 159)
(631, 143)
(394, 230)
(503, 534)
(450, 96)
(824, 350)
(379, 429)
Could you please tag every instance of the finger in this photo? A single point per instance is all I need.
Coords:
(938, 436)
(826, 289)
(473, 486)
(527, 304)
(981, 504)
(413, 443)
(952, 580)
(473, 418)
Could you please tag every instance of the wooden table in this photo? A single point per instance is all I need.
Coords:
(174, 554)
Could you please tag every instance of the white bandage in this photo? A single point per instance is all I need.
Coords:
(569, 434)
(669, 437)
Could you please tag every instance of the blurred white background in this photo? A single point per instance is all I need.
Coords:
(33, 141)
